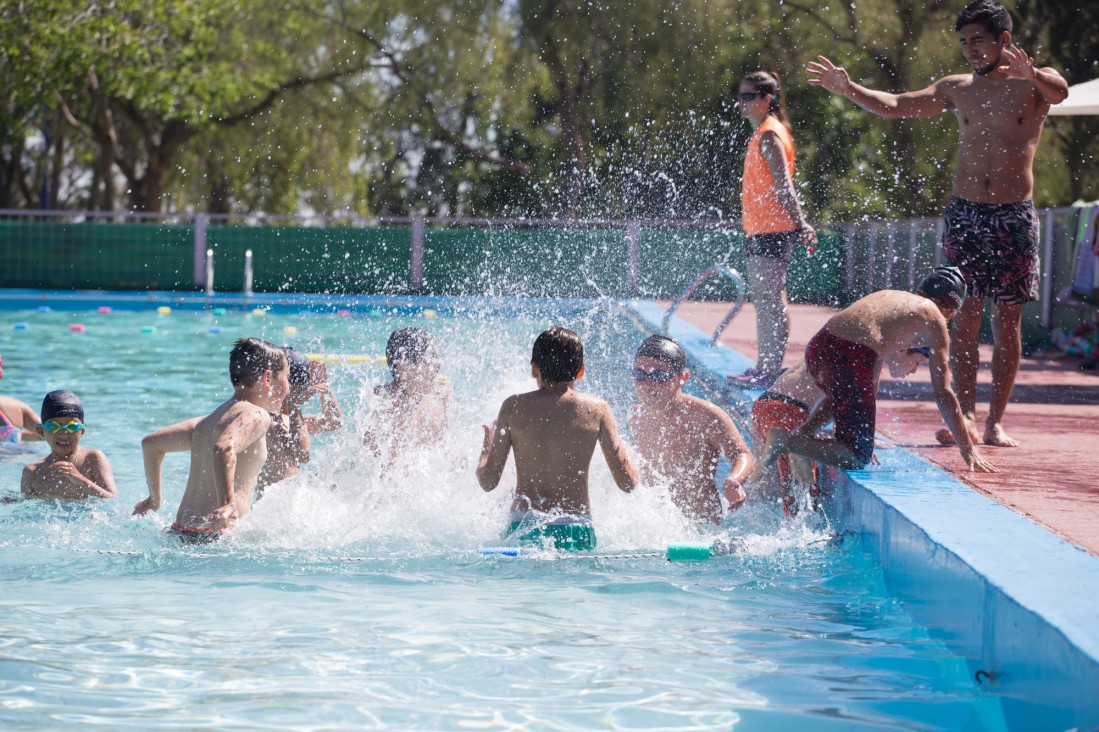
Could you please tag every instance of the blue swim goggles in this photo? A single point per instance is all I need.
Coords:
(52, 425)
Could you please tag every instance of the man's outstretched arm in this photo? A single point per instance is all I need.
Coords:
(927, 102)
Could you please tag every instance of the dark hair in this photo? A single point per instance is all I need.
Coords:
(250, 357)
(559, 355)
(407, 344)
(61, 403)
(768, 81)
(665, 350)
(989, 13)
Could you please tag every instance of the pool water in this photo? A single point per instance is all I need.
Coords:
(353, 597)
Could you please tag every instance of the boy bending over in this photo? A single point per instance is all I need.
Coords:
(553, 431)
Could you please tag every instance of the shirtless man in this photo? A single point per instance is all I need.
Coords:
(844, 358)
(227, 446)
(553, 432)
(991, 227)
(680, 437)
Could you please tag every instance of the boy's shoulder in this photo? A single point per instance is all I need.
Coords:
(697, 408)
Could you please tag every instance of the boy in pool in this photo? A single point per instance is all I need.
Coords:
(69, 471)
(228, 446)
(414, 404)
(844, 358)
(680, 437)
(553, 432)
(288, 439)
(787, 405)
(17, 419)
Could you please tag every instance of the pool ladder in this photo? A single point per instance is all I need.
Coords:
(702, 277)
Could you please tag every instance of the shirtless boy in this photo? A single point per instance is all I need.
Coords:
(415, 402)
(680, 437)
(289, 438)
(17, 419)
(788, 404)
(844, 358)
(991, 227)
(227, 446)
(553, 432)
(69, 471)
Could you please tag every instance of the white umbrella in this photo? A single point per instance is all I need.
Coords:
(1082, 99)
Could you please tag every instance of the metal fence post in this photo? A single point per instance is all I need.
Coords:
(248, 273)
(1048, 256)
(633, 237)
(849, 258)
(199, 267)
(416, 267)
(209, 273)
(912, 244)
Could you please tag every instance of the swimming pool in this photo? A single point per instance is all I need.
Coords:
(349, 599)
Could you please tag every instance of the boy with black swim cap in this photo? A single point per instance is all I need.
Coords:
(554, 431)
(680, 437)
(69, 471)
(844, 358)
(289, 437)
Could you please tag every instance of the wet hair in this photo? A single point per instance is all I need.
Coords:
(989, 13)
(407, 345)
(945, 286)
(61, 403)
(768, 81)
(250, 357)
(559, 355)
(299, 366)
(664, 350)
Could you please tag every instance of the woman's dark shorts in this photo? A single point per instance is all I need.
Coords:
(779, 245)
(995, 245)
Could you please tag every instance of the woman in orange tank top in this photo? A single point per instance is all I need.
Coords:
(772, 219)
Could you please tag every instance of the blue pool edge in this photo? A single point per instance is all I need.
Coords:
(1019, 603)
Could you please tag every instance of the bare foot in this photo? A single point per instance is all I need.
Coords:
(995, 435)
(946, 437)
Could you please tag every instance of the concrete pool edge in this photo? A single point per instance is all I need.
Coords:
(1014, 599)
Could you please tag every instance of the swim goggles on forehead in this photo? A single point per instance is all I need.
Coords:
(52, 425)
(656, 377)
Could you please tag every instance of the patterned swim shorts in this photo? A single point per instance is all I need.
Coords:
(995, 245)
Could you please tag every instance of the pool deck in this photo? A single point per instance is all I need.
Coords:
(1052, 478)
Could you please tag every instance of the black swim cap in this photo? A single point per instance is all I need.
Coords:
(946, 285)
(299, 366)
(62, 403)
(664, 350)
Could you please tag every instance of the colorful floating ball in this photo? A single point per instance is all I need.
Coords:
(219, 311)
(104, 310)
(76, 327)
(148, 329)
(20, 326)
(44, 309)
(343, 313)
(290, 330)
(429, 313)
(163, 310)
(215, 328)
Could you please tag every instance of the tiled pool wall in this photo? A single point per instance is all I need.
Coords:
(1018, 603)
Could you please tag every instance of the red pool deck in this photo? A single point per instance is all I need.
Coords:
(1051, 478)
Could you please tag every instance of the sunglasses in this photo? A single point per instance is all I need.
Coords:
(52, 425)
(749, 96)
(656, 377)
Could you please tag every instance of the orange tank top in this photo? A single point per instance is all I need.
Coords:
(761, 211)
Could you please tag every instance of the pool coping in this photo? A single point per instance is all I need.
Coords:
(1018, 602)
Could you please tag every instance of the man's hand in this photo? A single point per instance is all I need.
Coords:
(489, 429)
(734, 494)
(225, 516)
(807, 235)
(1016, 63)
(977, 462)
(828, 75)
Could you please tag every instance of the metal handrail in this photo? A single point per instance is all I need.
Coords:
(702, 277)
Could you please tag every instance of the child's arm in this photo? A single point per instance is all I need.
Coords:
(494, 452)
(29, 418)
(732, 445)
(176, 438)
(614, 452)
(242, 432)
(330, 418)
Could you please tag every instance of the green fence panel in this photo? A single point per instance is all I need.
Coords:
(96, 255)
(335, 260)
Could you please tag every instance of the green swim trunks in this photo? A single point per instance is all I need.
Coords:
(565, 537)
